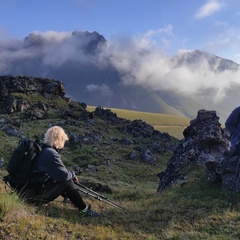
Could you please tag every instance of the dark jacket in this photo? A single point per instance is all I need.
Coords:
(49, 162)
(233, 122)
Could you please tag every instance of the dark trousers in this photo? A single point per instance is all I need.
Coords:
(50, 190)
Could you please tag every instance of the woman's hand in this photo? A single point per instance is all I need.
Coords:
(75, 179)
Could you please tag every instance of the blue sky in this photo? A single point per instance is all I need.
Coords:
(170, 25)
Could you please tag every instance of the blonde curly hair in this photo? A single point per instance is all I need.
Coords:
(55, 136)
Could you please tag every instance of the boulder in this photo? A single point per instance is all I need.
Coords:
(12, 88)
(205, 143)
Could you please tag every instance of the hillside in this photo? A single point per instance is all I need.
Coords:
(172, 124)
(115, 156)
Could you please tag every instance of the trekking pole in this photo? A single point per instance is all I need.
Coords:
(234, 188)
(96, 195)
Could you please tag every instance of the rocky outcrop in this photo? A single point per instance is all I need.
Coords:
(28, 85)
(11, 88)
(205, 144)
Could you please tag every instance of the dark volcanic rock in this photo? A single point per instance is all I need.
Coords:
(205, 143)
(11, 88)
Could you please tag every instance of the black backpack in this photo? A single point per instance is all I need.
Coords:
(21, 163)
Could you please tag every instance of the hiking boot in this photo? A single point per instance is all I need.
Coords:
(89, 212)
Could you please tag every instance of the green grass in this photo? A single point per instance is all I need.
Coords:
(188, 211)
(7, 203)
(195, 210)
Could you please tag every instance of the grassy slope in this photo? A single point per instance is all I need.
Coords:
(191, 211)
(196, 210)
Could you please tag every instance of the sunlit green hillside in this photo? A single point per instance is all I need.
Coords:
(193, 210)
(174, 125)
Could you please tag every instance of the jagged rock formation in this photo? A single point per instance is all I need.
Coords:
(205, 143)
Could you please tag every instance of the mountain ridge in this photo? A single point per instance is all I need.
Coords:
(94, 72)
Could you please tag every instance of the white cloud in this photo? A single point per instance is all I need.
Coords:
(53, 36)
(181, 51)
(145, 65)
(138, 60)
(211, 7)
(161, 35)
(168, 30)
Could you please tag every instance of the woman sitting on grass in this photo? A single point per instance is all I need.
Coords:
(50, 178)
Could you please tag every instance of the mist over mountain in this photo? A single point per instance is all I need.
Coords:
(125, 72)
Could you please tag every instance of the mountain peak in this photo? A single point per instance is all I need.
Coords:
(197, 56)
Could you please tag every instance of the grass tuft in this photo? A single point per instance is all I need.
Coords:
(7, 203)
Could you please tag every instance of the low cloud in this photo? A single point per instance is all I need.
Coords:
(138, 60)
(150, 67)
(53, 48)
(103, 89)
